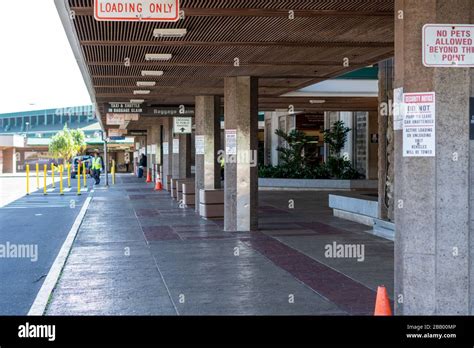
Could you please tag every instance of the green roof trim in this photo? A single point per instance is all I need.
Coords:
(368, 73)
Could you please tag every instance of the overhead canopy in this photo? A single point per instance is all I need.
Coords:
(286, 54)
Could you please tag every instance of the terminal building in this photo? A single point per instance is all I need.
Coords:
(252, 68)
(25, 136)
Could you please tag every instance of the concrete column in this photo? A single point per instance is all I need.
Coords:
(167, 147)
(208, 111)
(154, 141)
(181, 149)
(386, 141)
(432, 195)
(241, 179)
(185, 155)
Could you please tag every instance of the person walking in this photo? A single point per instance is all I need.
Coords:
(142, 166)
(96, 167)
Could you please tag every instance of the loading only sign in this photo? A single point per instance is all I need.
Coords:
(419, 124)
(137, 10)
(448, 45)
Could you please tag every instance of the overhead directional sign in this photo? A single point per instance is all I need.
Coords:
(171, 111)
(183, 125)
(120, 119)
(115, 132)
(137, 10)
(125, 108)
(115, 119)
(448, 45)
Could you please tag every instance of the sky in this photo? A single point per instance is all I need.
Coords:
(37, 67)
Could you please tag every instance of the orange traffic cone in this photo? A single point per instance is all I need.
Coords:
(158, 186)
(148, 176)
(382, 303)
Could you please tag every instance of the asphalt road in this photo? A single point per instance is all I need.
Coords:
(39, 224)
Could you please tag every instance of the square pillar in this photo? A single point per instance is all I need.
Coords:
(167, 145)
(181, 148)
(433, 202)
(241, 129)
(386, 141)
(209, 129)
(154, 142)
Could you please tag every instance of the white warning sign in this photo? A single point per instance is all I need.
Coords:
(419, 124)
(231, 141)
(199, 143)
(448, 45)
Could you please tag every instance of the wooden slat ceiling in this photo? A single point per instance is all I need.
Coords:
(286, 54)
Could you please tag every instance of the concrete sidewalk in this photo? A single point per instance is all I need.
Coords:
(137, 253)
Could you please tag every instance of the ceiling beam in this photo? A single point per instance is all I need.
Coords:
(203, 77)
(227, 64)
(174, 43)
(260, 12)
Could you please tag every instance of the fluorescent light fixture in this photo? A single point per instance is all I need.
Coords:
(317, 101)
(152, 73)
(146, 83)
(141, 92)
(158, 56)
(137, 101)
(169, 32)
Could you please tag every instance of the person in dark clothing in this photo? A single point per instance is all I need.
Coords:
(141, 166)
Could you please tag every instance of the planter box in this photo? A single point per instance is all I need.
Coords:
(323, 184)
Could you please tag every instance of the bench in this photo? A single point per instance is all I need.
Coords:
(211, 203)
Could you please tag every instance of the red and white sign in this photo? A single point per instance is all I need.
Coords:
(115, 119)
(137, 10)
(115, 132)
(419, 124)
(448, 45)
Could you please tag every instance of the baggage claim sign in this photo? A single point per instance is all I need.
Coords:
(137, 10)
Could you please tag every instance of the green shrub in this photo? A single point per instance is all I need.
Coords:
(296, 165)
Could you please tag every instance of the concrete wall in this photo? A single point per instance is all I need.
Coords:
(9, 160)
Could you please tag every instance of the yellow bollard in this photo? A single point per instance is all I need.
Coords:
(52, 174)
(78, 175)
(69, 175)
(37, 177)
(113, 172)
(45, 174)
(84, 173)
(27, 179)
(61, 179)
